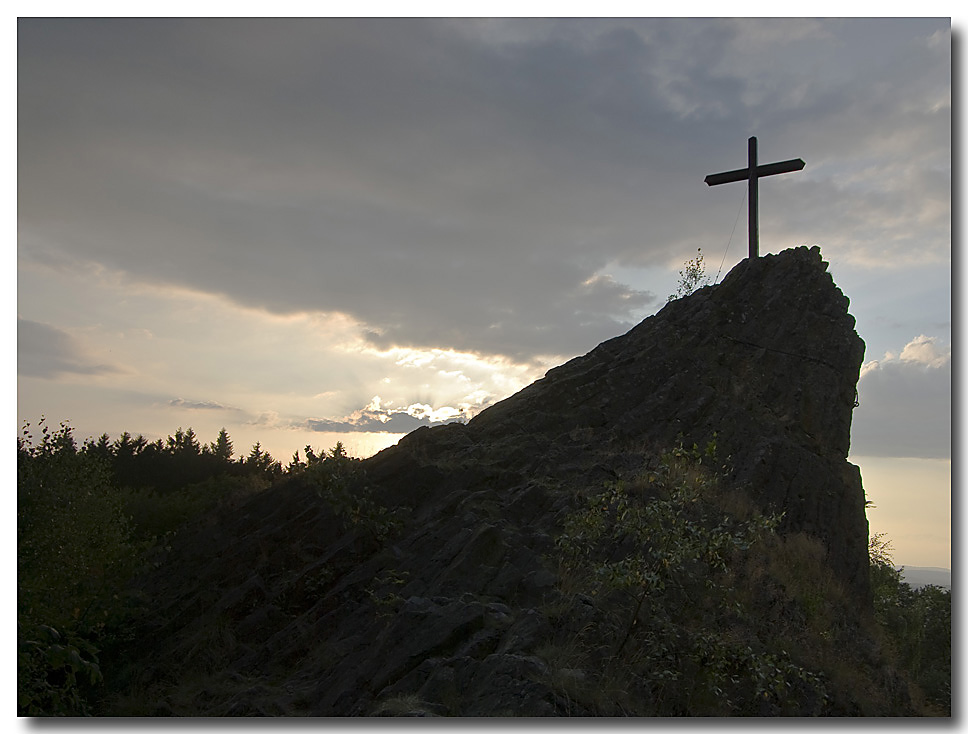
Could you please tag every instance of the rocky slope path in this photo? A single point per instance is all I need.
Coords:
(284, 606)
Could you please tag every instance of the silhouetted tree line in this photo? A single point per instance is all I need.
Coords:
(177, 462)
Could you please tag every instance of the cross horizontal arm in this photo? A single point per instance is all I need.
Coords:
(743, 174)
(771, 169)
(714, 179)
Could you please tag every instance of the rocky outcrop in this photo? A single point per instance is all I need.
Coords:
(304, 614)
(768, 361)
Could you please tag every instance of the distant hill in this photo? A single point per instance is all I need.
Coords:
(918, 576)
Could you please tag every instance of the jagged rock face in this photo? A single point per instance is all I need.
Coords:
(772, 346)
(768, 361)
(446, 617)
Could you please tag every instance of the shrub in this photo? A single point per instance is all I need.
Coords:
(658, 554)
(692, 277)
(340, 482)
(74, 554)
(917, 623)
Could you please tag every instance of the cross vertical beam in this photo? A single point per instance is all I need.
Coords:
(752, 173)
(753, 227)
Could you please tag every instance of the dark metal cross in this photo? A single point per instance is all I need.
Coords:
(752, 173)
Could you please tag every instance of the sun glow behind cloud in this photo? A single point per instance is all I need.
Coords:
(453, 380)
(172, 357)
(420, 411)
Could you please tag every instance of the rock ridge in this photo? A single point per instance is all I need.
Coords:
(448, 615)
(767, 362)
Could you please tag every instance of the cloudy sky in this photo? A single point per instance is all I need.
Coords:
(317, 230)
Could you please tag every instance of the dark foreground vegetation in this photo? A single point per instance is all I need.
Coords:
(672, 596)
(89, 518)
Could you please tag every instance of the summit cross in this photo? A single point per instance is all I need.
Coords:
(753, 173)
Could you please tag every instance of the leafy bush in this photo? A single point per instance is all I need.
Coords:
(154, 515)
(55, 672)
(656, 556)
(339, 481)
(74, 554)
(917, 623)
(692, 277)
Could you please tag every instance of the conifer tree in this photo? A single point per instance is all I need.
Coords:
(222, 448)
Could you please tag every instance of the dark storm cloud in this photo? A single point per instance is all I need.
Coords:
(449, 183)
(45, 351)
